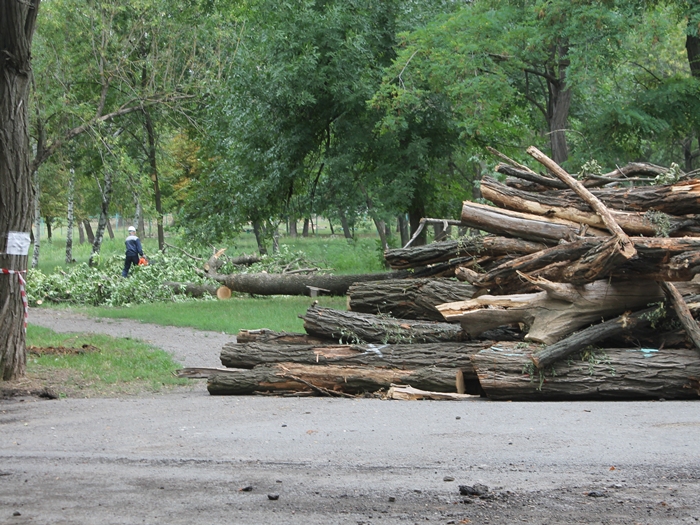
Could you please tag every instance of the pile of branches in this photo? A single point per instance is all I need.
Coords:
(565, 289)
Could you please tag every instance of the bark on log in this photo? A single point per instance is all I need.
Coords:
(633, 223)
(191, 289)
(264, 335)
(436, 252)
(407, 299)
(659, 259)
(410, 356)
(523, 225)
(690, 325)
(609, 374)
(285, 284)
(330, 378)
(554, 313)
(354, 327)
(625, 248)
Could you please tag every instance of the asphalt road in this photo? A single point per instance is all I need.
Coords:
(184, 457)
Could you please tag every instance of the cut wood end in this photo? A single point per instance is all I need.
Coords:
(223, 292)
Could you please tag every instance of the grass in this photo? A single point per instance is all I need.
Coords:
(276, 313)
(116, 366)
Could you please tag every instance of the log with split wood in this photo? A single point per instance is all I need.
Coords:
(506, 372)
(329, 379)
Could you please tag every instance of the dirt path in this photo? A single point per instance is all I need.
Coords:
(188, 346)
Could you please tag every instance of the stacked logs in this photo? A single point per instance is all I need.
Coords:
(560, 295)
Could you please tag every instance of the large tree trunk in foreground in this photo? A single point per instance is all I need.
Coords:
(437, 252)
(632, 222)
(331, 378)
(353, 327)
(554, 313)
(522, 225)
(505, 373)
(284, 284)
(407, 299)
(17, 23)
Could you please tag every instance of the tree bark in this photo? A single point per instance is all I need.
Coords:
(506, 373)
(81, 232)
(354, 327)
(554, 313)
(690, 325)
(436, 252)
(37, 221)
(296, 284)
(633, 223)
(403, 228)
(522, 225)
(259, 237)
(88, 231)
(17, 23)
(106, 192)
(152, 162)
(108, 224)
(330, 378)
(407, 299)
(266, 336)
(69, 220)
(344, 223)
(191, 289)
(410, 356)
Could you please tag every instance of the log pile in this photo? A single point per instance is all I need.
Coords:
(564, 289)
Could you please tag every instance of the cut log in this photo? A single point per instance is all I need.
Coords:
(633, 223)
(554, 313)
(506, 373)
(285, 284)
(264, 335)
(442, 355)
(625, 248)
(355, 327)
(407, 299)
(192, 289)
(223, 293)
(523, 225)
(436, 252)
(330, 379)
(690, 325)
(530, 176)
(659, 259)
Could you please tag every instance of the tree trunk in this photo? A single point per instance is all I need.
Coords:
(259, 238)
(296, 284)
(152, 161)
(88, 231)
(407, 299)
(344, 223)
(506, 373)
(576, 210)
(354, 327)
(330, 378)
(293, 228)
(104, 216)
(109, 229)
(81, 232)
(414, 219)
(69, 219)
(436, 252)
(554, 313)
(37, 221)
(266, 336)
(17, 23)
(522, 225)
(305, 228)
(191, 289)
(403, 229)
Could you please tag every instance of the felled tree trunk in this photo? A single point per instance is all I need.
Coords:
(506, 373)
(354, 327)
(523, 225)
(466, 246)
(554, 313)
(192, 289)
(296, 284)
(329, 379)
(264, 335)
(407, 299)
(551, 205)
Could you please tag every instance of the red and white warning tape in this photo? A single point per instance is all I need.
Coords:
(22, 290)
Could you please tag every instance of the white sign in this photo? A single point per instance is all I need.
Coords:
(17, 243)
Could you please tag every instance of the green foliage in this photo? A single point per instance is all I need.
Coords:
(103, 284)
